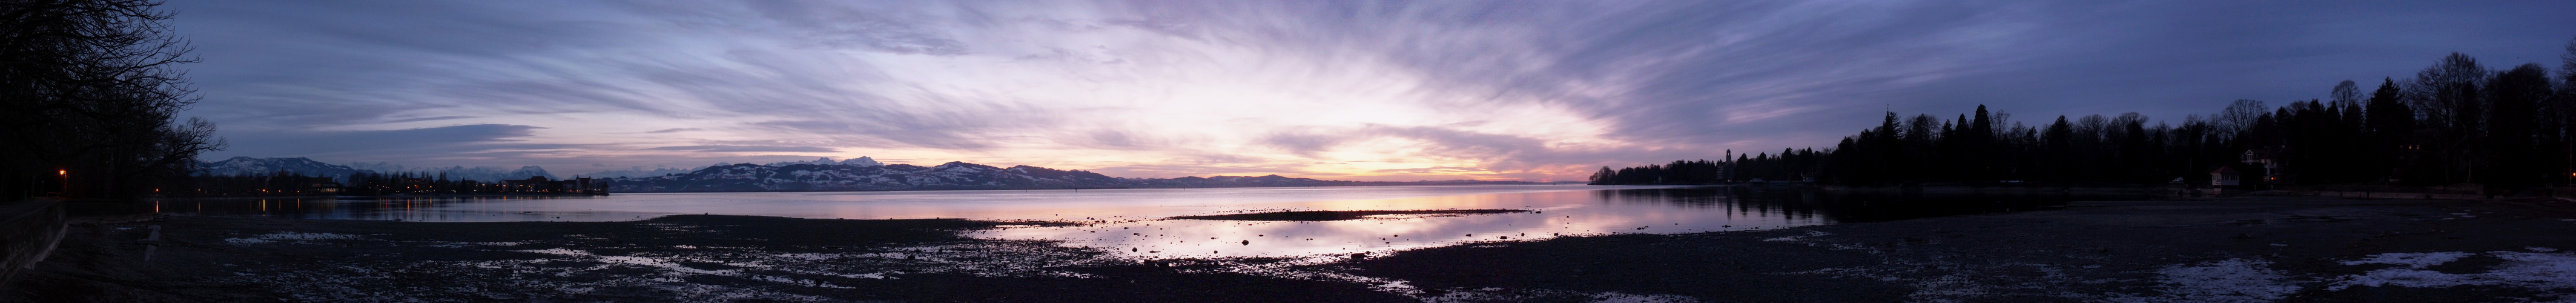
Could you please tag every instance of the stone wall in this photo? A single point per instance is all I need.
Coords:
(28, 230)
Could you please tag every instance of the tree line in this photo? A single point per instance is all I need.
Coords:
(2456, 121)
(89, 94)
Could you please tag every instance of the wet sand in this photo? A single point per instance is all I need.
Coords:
(2253, 249)
(1332, 215)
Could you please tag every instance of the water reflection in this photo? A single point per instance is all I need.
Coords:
(1559, 213)
(992, 205)
(1130, 221)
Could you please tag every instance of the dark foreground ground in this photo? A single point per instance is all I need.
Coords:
(2238, 250)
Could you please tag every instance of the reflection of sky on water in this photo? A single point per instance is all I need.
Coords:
(1127, 219)
(986, 204)
(1660, 210)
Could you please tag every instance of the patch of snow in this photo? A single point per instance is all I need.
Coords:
(2544, 271)
(633, 260)
(1616, 297)
(289, 236)
(2411, 260)
(2541, 249)
(2231, 280)
(809, 256)
(558, 252)
(1810, 233)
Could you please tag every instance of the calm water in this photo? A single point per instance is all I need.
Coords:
(1128, 219)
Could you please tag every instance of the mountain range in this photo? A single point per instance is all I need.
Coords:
(860, 174)
(237, 166)
(826, 175)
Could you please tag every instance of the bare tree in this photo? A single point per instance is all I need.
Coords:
(89, 93)
(2347, 95)
(2239, 116)
(2446, 94)
(2567, 67)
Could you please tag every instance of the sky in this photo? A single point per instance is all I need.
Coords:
(1376, 91)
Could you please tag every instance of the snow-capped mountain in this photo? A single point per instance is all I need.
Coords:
(487, 173)
(824, 174)
(839, 177)
(808, 176)
(238, 166)
(860, 161)
(307, 167)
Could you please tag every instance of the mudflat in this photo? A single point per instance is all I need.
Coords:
(1329, 215)
(2248, 249)
(686, 258)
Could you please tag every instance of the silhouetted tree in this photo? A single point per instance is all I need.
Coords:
(88, 94)
(2516, 96)
(2455, 122)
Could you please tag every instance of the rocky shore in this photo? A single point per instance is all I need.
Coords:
(2257, 249)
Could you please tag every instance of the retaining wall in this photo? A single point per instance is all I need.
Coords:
(28, 230)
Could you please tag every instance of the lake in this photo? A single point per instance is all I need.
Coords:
(1132, 220)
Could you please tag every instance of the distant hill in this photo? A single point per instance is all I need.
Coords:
(860, 174)
(839, 177)
(825, 175)
(237, 166)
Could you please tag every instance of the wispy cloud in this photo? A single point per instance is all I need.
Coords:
(739, 149)
(1353, 89)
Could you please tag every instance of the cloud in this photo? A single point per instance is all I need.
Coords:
(1418, 89)
(1304, 142)
(745, 149)
(446, 142)
(427, 119)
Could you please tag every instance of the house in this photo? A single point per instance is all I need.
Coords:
(322, 184)
(540, 184)
(2270, 162)
(2224, 176)
(532, 184)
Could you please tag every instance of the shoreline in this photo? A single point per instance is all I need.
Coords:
(1495, 183)
(229, 198)
(2288, 248)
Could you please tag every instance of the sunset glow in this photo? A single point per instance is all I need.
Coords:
(1351, 91)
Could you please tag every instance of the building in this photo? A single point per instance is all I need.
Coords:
(540, 184)
(322, 184)
(2269, 161)
(2224, 176)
